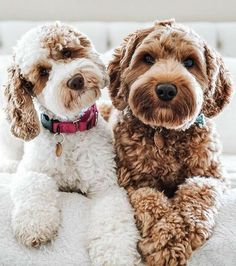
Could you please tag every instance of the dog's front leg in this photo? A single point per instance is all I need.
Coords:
(184, 227)
(36, 216)
(113, 235)
(150, 206)
(197, 202)
(156, 224)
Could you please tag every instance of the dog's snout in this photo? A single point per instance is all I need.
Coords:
(166, 91)
(76, 82)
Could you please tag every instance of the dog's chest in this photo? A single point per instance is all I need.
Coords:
(66, 172)
(147, 165)
(142, 163)
(64, 169)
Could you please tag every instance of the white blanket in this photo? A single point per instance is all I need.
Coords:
(69, 248)
(220, 249)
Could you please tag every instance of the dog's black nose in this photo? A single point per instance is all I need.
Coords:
(76, 82)
(166, 91)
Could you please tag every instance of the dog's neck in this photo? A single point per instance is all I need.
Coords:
(160, 136)
(199, 121)
(43, 110)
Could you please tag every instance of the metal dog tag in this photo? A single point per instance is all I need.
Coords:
(58, 150)
(159, 140)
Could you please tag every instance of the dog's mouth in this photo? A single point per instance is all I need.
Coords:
(169, 105)
(85, 90)
(76, 100)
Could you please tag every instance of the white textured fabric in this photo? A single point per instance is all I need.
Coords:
(220, 249)
(229, 162)
(68, 248)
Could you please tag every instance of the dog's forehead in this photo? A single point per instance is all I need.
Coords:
(39, 43)
(59, 35)
(174, 35)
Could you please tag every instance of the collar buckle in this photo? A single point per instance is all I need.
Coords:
(47, 122)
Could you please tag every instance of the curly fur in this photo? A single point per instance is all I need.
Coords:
(20, 108)
(175, 189)
(87, 162)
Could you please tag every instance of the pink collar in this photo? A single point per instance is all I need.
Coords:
(85, 122)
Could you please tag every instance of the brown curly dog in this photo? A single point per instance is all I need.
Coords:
(165, 79)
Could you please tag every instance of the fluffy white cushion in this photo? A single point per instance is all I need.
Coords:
(69, 248)
(229, 162)
(220, 249)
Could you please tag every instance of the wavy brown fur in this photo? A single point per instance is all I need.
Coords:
(175, 190)
(20, 109)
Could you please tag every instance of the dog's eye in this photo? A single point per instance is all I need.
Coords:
(66, 53)
(43, 72)
(189, 62)
(148, 59)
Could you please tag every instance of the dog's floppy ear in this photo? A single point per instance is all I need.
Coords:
(119, 63)
(220, 87)
(20, 109)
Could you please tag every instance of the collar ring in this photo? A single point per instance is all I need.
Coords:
(59, 137)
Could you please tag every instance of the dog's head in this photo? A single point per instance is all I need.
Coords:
(59, 67)
(167, 75)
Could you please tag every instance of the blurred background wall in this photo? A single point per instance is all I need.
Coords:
(119, 10)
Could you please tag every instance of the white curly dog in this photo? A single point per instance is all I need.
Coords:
(55, 78)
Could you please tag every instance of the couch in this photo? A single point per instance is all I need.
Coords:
(105, 36)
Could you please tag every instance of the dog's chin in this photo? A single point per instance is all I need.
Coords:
(165, 118)
(79, 104)
(69, 105)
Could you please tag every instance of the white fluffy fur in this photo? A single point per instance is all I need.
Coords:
(86, 164)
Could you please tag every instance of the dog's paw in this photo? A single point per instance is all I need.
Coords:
(175, 255)
(35, 227)
(168, 242)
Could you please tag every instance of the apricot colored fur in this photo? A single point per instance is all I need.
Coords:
(175, 190)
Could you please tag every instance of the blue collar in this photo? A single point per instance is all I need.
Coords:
(201, 121)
